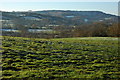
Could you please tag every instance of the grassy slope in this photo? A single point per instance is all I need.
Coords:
(60, 58)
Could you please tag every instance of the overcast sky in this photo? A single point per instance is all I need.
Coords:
(107, 7)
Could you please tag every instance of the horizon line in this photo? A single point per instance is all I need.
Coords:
(57, 10)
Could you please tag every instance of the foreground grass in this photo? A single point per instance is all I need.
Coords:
(60, 58)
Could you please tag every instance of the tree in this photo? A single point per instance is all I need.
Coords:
(114, 30)
(20, 24)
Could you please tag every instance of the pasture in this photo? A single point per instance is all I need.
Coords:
(85, 57)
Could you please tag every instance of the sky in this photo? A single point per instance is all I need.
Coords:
(107, 7)
(59, 0)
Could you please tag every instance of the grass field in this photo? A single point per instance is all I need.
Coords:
(85, 57)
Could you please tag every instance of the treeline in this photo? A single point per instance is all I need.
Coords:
(98, 29)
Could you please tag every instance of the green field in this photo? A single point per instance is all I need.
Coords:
(85, 57)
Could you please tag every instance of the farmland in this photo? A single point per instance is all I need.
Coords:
(85, 57)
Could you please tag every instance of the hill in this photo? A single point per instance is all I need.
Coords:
(61, 17)
(61, 23)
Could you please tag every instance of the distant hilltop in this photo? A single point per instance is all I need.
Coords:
(60, 17)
